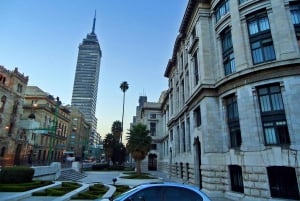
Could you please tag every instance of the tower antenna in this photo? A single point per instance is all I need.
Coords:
(93, 29)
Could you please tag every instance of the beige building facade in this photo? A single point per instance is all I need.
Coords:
(46, 122)
(78, 138)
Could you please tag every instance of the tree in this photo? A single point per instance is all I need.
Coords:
(108, 146)
(124, 87)
(138, 144)
(119, 154)
(116, 130)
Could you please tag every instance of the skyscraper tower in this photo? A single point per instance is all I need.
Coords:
(85, 86)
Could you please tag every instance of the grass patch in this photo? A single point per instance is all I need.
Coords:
(133, 175)
(65, 187)
(21, 187)
(94, 192)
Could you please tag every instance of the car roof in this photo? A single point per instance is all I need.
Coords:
(168, 184)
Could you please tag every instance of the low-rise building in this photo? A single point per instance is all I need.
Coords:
(46, 123)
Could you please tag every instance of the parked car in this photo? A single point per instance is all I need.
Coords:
(163, 191)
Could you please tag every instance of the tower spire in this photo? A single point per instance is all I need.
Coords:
(93, 29)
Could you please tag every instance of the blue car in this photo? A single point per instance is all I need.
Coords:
(163, 191)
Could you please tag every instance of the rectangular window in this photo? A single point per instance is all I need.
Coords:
(197, 116)
(153, 146)
(187, 85)
(152, 116)
(273, 115)
(196, 70)
(236, 178)
(295, 16)
(172, 102)
(152, 128)
(188, 146)
(182, 93)
(222, 9)
(19, 88)
(233, 121)
(227, 51)
(183, 137)
(178, 140)
(260, 38)
(181, 61)
(283, 182)
(295, 13)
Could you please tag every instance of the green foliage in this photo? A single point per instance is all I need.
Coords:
(139, 141)
(94, 192)
(21, 187)
(100, 166)
(66, 187)
(116, 130)
(108, 145)
(138, 176)
(124, 86)
(18, 174)
(106, 167)
(119, 154)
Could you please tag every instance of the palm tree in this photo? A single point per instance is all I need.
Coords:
(108, 146)
(116, 130)
(138, 144)
(124, 86)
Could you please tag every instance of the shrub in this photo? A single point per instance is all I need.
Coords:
(100, 166)
(16, 174)
(21, 187)
(94, 192)
(58, 191)
(116, 167)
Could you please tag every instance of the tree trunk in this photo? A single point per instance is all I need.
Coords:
(138, 167)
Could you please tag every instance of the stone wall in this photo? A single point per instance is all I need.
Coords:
(51, 172)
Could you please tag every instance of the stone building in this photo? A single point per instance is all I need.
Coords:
(46, 123)
(150, 114)
(231, 109)
(78, 139)
(12, 140)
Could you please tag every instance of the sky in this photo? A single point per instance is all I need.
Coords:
(137, 37)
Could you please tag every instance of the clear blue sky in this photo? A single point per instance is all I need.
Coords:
(137, 37)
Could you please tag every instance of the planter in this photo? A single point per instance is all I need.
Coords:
(135, 182)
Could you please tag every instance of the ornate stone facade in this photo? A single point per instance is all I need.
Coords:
(13, 141)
